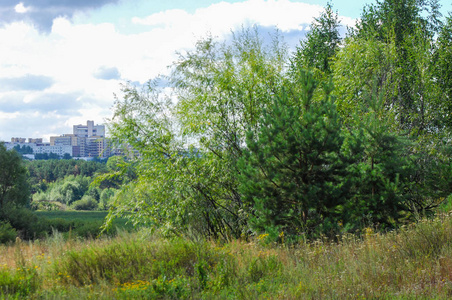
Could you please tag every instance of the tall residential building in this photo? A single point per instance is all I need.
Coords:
(89, 130)
(86, 140)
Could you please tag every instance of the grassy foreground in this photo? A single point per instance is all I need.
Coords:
(414, 262)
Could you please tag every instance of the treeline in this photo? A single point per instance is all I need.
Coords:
(342, 134)
(51, 170)
(68, 184)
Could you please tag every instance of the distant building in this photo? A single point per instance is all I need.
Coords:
(85, 141)
(35, 141)
(18, 140)
(89, 130)
(57, 149)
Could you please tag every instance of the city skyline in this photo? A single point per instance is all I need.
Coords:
(85, 141)
(30, 139)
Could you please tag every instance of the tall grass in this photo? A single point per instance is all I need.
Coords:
(412, 262)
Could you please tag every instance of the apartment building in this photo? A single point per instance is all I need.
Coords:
(86, 140)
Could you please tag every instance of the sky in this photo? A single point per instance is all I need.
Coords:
(62, 61)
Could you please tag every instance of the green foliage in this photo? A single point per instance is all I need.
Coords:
(292, 173)
(79, 192)
(106, 198)
(128, 260)
(47, 171)
(187, 168)
(47, 156)
(26, 222)
(86, 203)
(321, 44)
(405, 30)
(19, 284)
(304, 167)
(359, 66)
(7, 233)
(443, 72)
(23, 150)
(13, 180)
(80, 223)
(381, 172)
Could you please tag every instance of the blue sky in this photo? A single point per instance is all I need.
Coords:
(62, 61)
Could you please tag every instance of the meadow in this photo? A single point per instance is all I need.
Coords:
(80, 224)
(414, 262)
(97, 217)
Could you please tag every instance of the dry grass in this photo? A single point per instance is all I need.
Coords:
(414, 262)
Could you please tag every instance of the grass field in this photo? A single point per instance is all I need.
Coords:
(414, 262)
(81, 223)
(84, 216)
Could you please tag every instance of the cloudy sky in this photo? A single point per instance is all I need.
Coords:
(61, 61)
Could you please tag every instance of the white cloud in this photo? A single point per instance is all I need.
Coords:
(21, 9)
(220, 18)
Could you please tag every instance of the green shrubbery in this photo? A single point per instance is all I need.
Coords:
(86, 203)
(26, 222)
(7, 232)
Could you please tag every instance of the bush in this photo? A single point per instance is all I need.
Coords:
(7, 232)
(86, 203)
(47, 205)
(89, 229)
(59, 224)
(25, 221)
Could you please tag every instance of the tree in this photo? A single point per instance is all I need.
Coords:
(379, 169)
(443, 72)
(66, 156)
(13, 179)
(23, 150)
(188, 152)
(292, 172)
(321, 44)
(361, 66)
(406, 30)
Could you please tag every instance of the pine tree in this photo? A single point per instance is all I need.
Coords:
(380, 175)
(292, 171)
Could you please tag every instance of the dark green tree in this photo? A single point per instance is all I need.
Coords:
(13, 179)
(23, 150)
(292, 172)
(381, 174)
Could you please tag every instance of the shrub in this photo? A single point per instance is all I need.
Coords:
(86, 203)
(90, 229)
(59, 224)
(25, 221)
(7, 232)
(47, 205)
